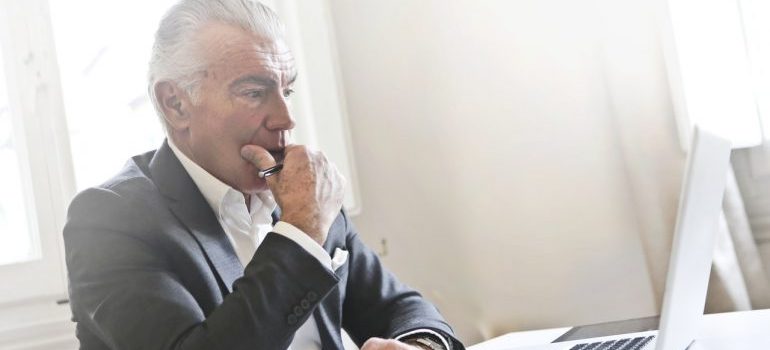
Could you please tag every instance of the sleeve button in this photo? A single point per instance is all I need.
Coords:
(292, 320)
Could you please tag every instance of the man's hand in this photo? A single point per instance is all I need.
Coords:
(309, 190)
(387, 344)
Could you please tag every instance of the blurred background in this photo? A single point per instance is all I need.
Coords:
(517, 161)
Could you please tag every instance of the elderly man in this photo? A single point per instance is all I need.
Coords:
(188, 248)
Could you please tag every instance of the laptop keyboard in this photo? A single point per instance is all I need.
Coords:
(620, 344)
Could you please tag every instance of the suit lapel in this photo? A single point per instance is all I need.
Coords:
(189, 206)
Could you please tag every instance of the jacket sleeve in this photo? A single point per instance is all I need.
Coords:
(378, 305)
(124, 291)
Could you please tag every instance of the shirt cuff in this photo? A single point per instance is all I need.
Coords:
(293, 233)
(416, 333)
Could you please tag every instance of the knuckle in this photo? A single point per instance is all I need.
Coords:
(372, 343)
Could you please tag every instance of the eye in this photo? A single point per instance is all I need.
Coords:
(254, 93)
(288, 92)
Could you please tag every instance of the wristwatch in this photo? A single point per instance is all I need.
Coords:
(427, 342)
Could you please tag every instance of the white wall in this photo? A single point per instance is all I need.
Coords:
(517, 156)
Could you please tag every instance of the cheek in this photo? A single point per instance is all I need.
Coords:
(242, 120)
(224, 131)
(207, 122)
(224, 128)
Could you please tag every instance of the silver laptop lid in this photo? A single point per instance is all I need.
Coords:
(697, 223)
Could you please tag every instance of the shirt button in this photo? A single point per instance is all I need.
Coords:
(292, 320)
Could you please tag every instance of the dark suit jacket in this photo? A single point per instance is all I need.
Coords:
(151, 268)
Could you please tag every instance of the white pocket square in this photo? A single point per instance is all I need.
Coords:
(339, 258)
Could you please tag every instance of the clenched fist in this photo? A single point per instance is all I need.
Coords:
(309, 190)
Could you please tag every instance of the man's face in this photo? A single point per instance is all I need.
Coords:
(242, 100)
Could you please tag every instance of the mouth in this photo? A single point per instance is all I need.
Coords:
(278, 155)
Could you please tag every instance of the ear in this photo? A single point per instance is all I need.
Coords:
(174, 103)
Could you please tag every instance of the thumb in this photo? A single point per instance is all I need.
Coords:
(258, 156)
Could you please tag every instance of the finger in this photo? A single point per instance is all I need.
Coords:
(258, 156)
(373, 344)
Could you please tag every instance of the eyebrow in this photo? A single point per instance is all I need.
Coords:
(261, 80)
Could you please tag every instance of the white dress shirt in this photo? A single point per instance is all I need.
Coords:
(246, 228)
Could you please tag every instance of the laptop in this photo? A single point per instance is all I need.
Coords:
(697, 223)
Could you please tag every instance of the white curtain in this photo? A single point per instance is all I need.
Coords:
(739, 278)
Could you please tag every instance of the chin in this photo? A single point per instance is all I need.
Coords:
(250, 183)
(253, 186)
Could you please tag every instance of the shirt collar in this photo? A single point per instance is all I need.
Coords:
(218, 193)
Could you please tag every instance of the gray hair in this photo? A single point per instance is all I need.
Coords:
(174, 57)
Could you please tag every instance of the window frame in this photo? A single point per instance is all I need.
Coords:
(701, 77)
(42, 144)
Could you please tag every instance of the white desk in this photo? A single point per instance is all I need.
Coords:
(727, 331)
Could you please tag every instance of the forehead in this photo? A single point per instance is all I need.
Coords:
(230, 51)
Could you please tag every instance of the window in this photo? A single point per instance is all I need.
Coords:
(104, 82)
(18, 241)
(756, 24)
(718, 58)
(35, 160)
(709, 70)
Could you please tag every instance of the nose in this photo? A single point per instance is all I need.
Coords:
(280, 118)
